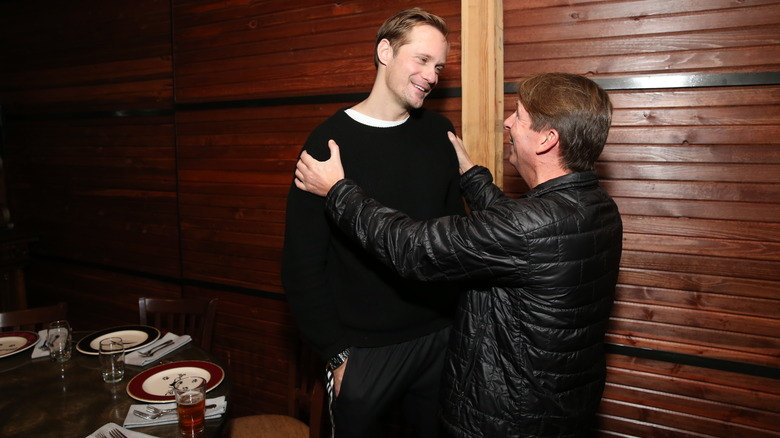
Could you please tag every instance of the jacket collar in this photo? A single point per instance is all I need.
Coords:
(568, 181)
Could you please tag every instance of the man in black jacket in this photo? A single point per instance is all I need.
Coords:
(526, 356)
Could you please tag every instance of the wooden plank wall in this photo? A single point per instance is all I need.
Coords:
(695, 332)
(151, 145)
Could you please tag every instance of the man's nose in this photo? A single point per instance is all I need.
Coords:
(431, 75)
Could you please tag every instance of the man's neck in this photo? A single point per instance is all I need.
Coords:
(546, 167)
(379, 109)
(380, 104)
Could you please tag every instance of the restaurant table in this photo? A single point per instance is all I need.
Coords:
(40, 398)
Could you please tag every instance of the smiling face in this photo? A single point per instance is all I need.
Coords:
(413, 69)
(523, 142)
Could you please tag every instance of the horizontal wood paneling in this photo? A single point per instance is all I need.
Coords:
(88, 57)
(233, 50)
(626, 37)
(105, 195)
(640, 392)
(233, 189)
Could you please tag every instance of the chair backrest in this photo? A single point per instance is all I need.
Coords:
(181, 316)
(32, 319)
(307, 387)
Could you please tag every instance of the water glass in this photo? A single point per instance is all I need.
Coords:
(112, 359)
(191, 404)
(58, 340)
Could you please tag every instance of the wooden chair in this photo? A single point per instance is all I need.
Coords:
(305, 408)
(32, 319)
(181, 316)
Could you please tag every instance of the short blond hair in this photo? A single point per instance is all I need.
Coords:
(396, 28)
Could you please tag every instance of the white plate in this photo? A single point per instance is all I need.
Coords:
(16, 342)
(133, 336)
(155, 385)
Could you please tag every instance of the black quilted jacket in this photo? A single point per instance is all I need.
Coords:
(526, 357)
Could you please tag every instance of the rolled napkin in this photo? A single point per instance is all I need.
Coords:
(37, 350)
(135, 358)
(108, 427)
(132, 420)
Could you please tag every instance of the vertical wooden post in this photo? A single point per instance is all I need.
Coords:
(482, 72)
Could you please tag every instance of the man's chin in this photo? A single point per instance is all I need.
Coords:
(417, 104)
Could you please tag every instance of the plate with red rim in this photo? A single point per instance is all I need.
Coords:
(16, 342)
(155, 385)
(133, 336)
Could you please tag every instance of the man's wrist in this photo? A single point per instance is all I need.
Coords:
(466, 167)
(338, 360)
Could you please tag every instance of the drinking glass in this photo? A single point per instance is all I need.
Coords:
(191, 404)
(112, 359)
(58, 339)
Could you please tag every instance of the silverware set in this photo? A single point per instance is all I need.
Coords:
(154, 350)
(45, 344)
(154, 413)
(114, 433)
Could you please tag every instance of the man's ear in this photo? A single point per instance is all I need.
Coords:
(384, 51)
(550, 140)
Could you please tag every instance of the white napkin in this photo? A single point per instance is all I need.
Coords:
(37, 351)
(136, 359)
(108, 427)
(133, 420)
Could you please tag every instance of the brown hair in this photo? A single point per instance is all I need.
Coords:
(396, 28)
(574, 106)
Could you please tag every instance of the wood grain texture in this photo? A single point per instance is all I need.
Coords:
(232, 50)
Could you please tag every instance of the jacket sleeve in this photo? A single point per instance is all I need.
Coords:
(304, 267)
(486, 245)
(478, 188)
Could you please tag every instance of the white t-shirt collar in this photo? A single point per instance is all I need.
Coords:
(370, 121)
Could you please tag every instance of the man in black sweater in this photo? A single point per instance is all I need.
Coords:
(383, 340)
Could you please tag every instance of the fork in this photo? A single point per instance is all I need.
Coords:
(100, 435)
(154, 350)
(46, 342)
(155, 413)
(116, 433)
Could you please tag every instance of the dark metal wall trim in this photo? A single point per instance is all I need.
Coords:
(697, 361)
(681, 80)
(437, 93)
(151, 112)
(164, 278)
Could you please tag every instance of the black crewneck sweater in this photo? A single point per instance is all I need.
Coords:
(338, 294)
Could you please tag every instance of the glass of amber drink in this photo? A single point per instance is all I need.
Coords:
(191, 404)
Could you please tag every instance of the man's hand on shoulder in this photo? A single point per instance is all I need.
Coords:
(319, 176)
(464, 161)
